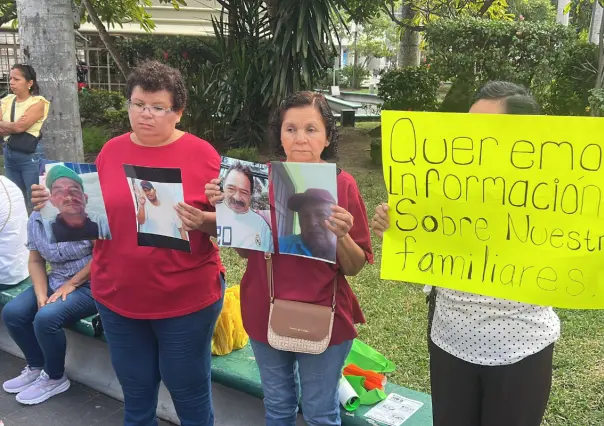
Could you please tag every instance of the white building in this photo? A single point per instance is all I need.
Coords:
(195, 19)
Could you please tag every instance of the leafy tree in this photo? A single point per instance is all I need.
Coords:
(412, 16)
(8, 11)
(580, 14)
(532, 10)
(103, 14)
(377, 38)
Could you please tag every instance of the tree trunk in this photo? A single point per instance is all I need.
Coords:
(561, 17)
(356, 52)
(600, 75)
(596, 23)
(106, 38)
(48, 44)
(408, 55)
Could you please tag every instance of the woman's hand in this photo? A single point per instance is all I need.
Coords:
(42, 300)
(192, 218)
(62, 292)
(213, 191)
(340, 222)
(381, 220)
(39, 196)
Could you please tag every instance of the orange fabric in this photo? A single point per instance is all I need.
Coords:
(373, 380)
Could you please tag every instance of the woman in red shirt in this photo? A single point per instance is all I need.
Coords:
(306, 129)
(158, 306)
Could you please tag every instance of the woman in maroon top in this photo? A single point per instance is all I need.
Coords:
(306, 129)
(158, 306)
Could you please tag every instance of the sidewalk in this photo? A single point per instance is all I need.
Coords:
(79, 406)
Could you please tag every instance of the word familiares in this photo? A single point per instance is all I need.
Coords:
(488, 271)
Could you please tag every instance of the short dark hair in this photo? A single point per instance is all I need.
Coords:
(302, 99)
(238, 167)
(153, 76)
(29, 74)
(517, 98)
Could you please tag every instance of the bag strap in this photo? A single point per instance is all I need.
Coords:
(271, 282)
(12, 110)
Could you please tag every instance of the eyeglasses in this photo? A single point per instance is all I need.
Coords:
(156, 111)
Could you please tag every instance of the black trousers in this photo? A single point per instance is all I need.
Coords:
(466, 394)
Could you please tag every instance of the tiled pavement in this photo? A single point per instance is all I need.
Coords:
(79, 406)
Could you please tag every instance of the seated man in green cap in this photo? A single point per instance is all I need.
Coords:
(72, 223)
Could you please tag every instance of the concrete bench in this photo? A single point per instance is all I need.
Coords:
(237, 392)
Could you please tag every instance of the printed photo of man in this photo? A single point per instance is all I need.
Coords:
(238, 225)
(72, 223)
(315, 239)
(156, 213)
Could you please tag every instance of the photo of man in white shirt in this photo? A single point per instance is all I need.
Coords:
(238, 225)
(156, 214)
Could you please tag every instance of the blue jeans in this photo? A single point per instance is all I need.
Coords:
(23, 169)
(177, 351)
(318, 377)
(39, 333)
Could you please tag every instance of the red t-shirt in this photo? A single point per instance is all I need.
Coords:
(148, 282)
(307, 280)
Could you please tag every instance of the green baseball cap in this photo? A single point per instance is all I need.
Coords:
(60, 171)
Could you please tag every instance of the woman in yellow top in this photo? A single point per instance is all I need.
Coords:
(23, 113)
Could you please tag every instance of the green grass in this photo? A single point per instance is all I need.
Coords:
(366, 125)
(396, 315)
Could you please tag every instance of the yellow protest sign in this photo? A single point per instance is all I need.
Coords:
(500, 205)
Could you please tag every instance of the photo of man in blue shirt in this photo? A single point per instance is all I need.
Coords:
(315, 239)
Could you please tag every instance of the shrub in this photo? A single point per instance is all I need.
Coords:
(410, 88)
(94, 138)
(596, 101)
(572, 82)
(351, 76)
(376, 151)
(245, 154)
(472, 51)
(327, 81)
(186, 53)
(117, 121)
(94, 104)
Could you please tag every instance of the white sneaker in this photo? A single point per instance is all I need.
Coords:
(23, 381)
(42, 389)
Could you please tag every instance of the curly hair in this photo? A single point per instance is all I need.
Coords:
(153, 76)
(299, 100)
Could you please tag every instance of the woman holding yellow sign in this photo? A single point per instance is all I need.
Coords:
(490, 358)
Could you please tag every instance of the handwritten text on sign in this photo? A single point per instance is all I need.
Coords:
(500, 205)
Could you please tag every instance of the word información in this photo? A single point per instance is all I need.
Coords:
(500, 205)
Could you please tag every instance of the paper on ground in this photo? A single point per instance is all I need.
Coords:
(394, 410)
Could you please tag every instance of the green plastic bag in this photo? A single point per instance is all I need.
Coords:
(367, 358)
(366, 397)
